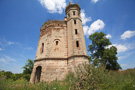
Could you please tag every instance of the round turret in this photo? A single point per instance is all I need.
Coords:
(73, 10)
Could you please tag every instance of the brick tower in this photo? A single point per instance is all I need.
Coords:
(61, 47)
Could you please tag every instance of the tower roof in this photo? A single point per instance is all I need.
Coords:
(71, 6)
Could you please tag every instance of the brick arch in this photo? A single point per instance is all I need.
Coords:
(56, 40)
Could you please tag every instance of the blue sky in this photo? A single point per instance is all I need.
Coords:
(20, 22)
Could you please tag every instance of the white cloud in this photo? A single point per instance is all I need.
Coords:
(95, 26)
(10, 43)
(1, 49)
(5, 43)
(120, 48)
(94, 1)
(85, 29)
(84, 18)
(127, 34)
(123, 64)
(54, 6)
(108, 36)
(6, 59)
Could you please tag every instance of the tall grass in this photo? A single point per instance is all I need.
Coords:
(86, 78)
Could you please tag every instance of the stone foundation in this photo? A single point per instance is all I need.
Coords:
(55, 69)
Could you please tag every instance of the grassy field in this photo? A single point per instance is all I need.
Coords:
(89, 78)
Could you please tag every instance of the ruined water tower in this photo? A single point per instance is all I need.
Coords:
(61, 47)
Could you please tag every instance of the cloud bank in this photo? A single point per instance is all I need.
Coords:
(54, 6)
(84, 18)
(127, 34)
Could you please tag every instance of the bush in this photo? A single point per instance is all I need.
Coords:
(87, 77)
(91, 78)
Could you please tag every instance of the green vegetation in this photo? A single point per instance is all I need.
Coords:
(88, 78)
(27, 69)
(100, 54)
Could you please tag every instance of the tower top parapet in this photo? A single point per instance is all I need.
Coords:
(72, 6)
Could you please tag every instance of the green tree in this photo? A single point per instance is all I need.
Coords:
(28, 69)
(100, 54)
(8, 75)
(109, 58)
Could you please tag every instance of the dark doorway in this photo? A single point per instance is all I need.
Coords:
(38, 74)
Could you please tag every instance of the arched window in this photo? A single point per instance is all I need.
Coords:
(77, 43)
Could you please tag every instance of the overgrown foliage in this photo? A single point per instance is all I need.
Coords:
(86, 78)
(25, 75)
(100, 54)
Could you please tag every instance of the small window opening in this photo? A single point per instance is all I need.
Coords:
(68, 15)
(73, 12)
(74, 21)
(42, 48)
(75, 31)
(77, 43)
(57, 48)
(56, 42)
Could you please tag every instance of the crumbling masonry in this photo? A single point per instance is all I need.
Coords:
(61, 47)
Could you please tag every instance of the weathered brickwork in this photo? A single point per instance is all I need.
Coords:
(61, 47)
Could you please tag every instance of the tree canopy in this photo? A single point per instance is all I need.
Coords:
(100, 54)
(28, 67)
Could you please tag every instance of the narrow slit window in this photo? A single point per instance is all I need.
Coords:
(42, 48)
(75, 31)
(73, 12)
(74, 21)
(57, 48)
(77, 43)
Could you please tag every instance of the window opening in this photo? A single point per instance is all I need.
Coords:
(42, 48)
(75, 31)
(73, 12)
(57, 48)
(74, 21)
(56, 42)
(77, 43)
